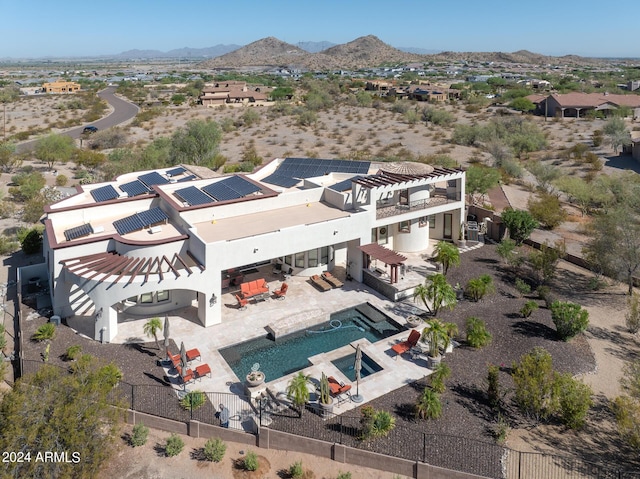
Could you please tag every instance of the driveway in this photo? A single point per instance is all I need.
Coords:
(122, 112)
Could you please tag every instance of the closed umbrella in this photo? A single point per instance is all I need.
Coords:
(357, 368)
(166, 335)
(184, 365)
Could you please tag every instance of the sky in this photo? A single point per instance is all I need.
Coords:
(37, 28)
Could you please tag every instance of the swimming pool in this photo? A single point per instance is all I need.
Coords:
(346, 366)
(290, 353)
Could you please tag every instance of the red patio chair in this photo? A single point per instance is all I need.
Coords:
(193, 354)
(338, 390)
(280, 293)
(188, 377)
(202, 371)
(242, 303)
(405, 346)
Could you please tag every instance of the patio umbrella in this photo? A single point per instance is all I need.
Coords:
(184, 365)
(166, 335)
(357, 368)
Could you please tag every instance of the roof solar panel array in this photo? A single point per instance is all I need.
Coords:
(344, 185)
(78, 232)
(281, 180)
(139, 221)
(309, 167)
(104, 193)
(193, 196)
(221, 192)
(134, 188)
(242, 186)
(176, 171)
(153, 178)
(188, 178)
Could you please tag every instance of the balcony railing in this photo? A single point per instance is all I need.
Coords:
(385, 210)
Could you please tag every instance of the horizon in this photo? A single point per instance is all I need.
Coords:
(41, 32)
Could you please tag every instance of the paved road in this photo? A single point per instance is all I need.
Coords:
(122, 111)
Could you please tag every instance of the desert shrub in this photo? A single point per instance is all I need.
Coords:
(477, 334)
(522, 286)
(429, 405)
(7, 245)
(544, 262)
(534, 384)
(501, 429)
(438, 116)
(62, 180)
(107, 139)
(250, 462)
(3, 340)
(344, 475)
(295, 470)
(632, 318)
(547, 210)
(31, 239)
(73, 352)
(574, 400)
(478, 288)
(375, 423)
(439, 376)
(139, 436)
(569, 318)
(597, 138)
(174, 445)
(193, 400)
(627, 412)
(494, 394)
(528, 308)
(44, 332)
(214, 450)
(519, 223)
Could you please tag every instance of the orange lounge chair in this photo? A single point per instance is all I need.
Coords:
(340, 391)
(174, 358)
(280, 293)
(320, 283)
(193, 354)
(332, 280)
(188, 377)
(242, 303)
(405, 346)
(202, 371)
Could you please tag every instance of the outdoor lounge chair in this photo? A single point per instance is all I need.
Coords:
(202, 371)
(332, 280)
(174, 358)
(338, 390)
(320, 283)
(193, 354)
(405, 346)
(242, 303)
(188, 377)
(280, 293)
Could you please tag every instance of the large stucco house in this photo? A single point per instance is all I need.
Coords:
(157, 241)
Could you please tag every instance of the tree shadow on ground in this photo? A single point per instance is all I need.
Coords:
(532, 329)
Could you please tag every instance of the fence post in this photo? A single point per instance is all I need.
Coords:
(424, 447)
(133, 392)
(260, 403)
(519, 463)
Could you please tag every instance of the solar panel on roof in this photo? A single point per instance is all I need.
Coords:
(194, 196)
(344, 185)
(104, 193)
(187, 178)
(241, 185)
(153, 178)
(78, 232)
(134, 188)
(128, 225)
(176, 171)
(221, 192)
(281, 180)
(152, 217)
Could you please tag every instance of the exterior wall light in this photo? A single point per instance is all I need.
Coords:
(213, 300)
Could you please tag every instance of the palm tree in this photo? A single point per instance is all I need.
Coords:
(152, 328)
(436, 333)
(436, 291)
(298, 390)
(447, 254)
(429, 405)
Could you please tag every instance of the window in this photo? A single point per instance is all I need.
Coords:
(162, 296)
(383, 235)
(404, 227)
(299, 260)
(324, 255)
(288, 260)
(423, 221)
(313, 258)
(146, 298)
(432, 221)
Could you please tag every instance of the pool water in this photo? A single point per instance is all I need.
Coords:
(346, 366)
(290, 353)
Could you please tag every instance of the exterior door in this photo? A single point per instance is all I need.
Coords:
(448, 222)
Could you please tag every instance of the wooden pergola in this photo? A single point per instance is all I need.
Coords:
(387, 256)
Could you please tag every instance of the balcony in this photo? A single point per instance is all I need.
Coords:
(385, 209)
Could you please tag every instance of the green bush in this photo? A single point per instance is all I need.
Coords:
(73, 352)
(45, 332)
(3, 340)
(522, 286)
(528, 308)
(376, 423)
(478, 288)
(534, 384)
(62, 180)
(429, 405)
(31, 239)
(344, 475)
(295, 470)
(547, 210)
(139, 436)
(250, 462)
(214, 450)
(174, 445)
(494, 394)
(438, 377)
(477, 334)
(574, 400)
(569, 318)
(632, 318)
(193, 400)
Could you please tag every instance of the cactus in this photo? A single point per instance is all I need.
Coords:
(325, 397)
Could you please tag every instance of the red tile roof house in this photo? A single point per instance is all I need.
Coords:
(577, 104)
(230, 92)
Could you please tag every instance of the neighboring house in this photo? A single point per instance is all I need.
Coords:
(153, 242)
(578, 104)
(230, 92)
(633, 85)
(378, 85)
(61, 87)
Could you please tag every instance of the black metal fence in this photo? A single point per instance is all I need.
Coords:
(449, 452)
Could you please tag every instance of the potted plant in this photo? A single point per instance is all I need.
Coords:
(325, 400)
(255, 378)
(437, 335)
(298, 390)
(413, 321)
